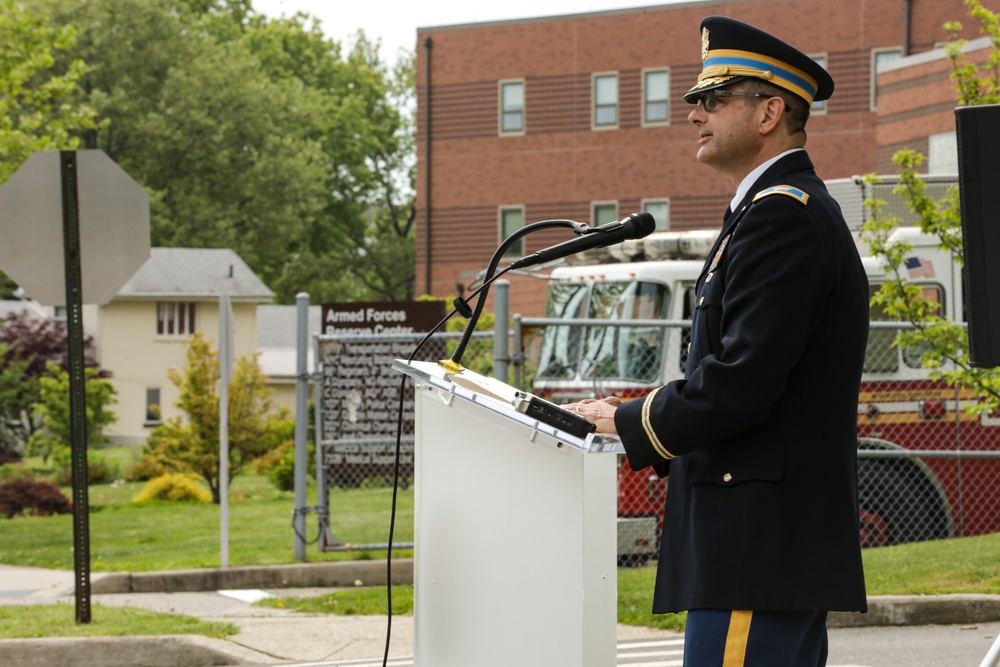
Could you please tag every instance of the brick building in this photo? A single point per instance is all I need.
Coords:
(582, 117)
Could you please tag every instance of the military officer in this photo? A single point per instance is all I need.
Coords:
(760, 535)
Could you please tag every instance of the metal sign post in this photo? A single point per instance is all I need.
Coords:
(77, 384)
(225, 375)
(301, 469)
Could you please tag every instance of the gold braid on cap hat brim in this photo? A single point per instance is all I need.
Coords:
(712, 76)
(729, 71)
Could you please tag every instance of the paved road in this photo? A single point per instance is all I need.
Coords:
(922, 646)
(912, 646)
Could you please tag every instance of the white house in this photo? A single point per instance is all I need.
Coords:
(143, 332)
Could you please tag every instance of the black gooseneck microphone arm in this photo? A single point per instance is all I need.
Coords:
(635, 226)
(462, 306)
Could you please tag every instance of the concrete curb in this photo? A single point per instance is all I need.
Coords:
(882, 610)
(921, 610)
(165, 651)
(322, 575)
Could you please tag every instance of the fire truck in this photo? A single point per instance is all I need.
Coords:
(624, 328)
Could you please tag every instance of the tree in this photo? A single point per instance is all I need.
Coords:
(943, 345)
(254, 134)
(362, 249)
(37, 111)
(383, 256)
(15, 400)
(29, 346)
(192, 445)
(54, 438)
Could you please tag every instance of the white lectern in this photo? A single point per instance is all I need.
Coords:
(515, 534)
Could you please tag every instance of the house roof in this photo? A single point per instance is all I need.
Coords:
(20, 306)
(195, 273)
(276, 340)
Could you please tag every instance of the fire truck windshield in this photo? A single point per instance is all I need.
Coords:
(882, 354)
(604, 352)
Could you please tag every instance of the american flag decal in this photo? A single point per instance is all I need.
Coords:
(919, 267)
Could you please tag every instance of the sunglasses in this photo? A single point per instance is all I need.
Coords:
(710, 98)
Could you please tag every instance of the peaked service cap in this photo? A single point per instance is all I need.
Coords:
(732, 50)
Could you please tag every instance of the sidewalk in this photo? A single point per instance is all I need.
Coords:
(267, 636)
(271, 636)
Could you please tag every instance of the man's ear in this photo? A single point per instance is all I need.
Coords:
(773, 111)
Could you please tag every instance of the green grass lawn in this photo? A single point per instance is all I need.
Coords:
(127, 536)
(18, 622)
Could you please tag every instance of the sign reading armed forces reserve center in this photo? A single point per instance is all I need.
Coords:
(360, 391)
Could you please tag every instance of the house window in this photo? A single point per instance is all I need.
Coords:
(511, 219)
(820, 106)
(603, 212)
(656, 97)
(606, 100)
(153, 414)
(881, 57)
(175, 318)
(660, 210)
(512, 107)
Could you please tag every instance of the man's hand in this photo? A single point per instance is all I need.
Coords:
(601, 412)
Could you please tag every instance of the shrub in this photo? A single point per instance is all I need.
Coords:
(279, 465)
(23, 495)
(148, 467)
(99, 469)
(15, 470)
(174, 487)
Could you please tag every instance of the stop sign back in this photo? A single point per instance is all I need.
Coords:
(113, 218)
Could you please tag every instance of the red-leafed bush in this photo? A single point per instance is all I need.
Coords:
(27, 496)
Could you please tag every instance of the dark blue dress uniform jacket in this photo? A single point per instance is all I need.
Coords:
(761, 508)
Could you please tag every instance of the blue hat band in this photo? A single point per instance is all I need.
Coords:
(731, 62)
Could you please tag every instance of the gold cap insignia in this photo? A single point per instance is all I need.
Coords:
(704, 44)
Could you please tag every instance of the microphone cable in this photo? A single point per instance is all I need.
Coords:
(461, 306)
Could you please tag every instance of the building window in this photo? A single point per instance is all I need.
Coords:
(820, 106)
(881, 57)
(660, 210)
(942, 153)
(175, 318)
(512, 107)
(603, 212)
(606, 100)
(656, 97)
(153, 414)
(511, 219)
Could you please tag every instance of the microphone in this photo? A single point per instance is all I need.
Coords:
(635, 226)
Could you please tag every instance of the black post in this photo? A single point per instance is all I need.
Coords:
(77, 383)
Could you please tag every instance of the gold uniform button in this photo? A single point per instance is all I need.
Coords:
(708, 278)
(727, 477)
(689, 347)
(701, 301)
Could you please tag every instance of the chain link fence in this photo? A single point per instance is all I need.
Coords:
(927, 467)
(360, 410)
